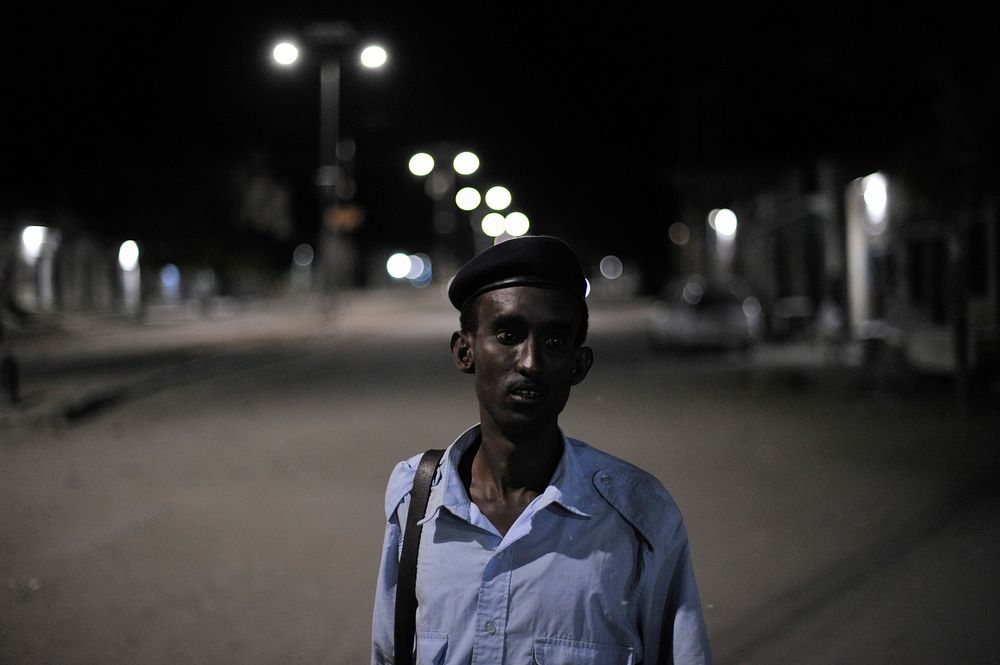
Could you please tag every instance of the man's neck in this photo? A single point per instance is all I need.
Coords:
(506, 461)
(504, 473)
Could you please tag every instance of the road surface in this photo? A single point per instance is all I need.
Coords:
(230, 511)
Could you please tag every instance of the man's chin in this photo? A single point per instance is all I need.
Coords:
(528, 418)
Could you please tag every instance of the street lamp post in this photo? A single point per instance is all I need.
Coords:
(867, 208)
(334, 258)
(335, 250)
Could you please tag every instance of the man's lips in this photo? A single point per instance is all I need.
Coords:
(527, 391)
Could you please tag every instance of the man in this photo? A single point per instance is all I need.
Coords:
(536, 548)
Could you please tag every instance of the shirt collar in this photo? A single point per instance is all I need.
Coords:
(569, 486)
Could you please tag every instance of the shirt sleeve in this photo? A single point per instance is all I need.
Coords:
(384, 615)
(676, 625)
(684, 615)
(383, 618)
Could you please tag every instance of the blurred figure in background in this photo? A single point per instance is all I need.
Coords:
(10, 379)
(830, 326)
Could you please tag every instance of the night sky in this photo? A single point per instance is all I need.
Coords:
(130, 120)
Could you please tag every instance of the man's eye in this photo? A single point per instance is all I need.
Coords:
(506, 337)
(555, 342)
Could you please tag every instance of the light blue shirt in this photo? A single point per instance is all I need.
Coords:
(597, 569)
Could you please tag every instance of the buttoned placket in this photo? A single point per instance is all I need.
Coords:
(493, 598)
(493, 607)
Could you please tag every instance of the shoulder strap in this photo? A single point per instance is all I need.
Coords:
(406, 580)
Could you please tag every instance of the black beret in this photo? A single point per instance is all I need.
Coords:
(526, 261)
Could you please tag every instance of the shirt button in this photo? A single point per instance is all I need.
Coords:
(605, 479)
(500, 554)
(491, 627)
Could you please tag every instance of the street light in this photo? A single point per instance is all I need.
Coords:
(868, 217)
(38, 250)
(468, 198)
(723, 221)
(128, 264)
(498, 198)
(285, 53)
(33, 239)
(488, 226)
(421, 164)
(440, 186)
(415, 268)
(500, 227)
(517, 224)
(373, 56)
(465, 163)
(494, 224)
(875, 194)
(334, 188)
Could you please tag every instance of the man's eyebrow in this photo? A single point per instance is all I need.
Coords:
(502, 320)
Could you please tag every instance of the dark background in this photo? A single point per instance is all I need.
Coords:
(131, 120)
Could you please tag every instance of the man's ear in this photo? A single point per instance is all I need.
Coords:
(582, 360)
(461, 352)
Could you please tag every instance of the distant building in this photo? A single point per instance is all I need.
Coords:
(864, 257)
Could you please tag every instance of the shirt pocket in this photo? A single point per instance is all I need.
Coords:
(431, 648)
(560, 651)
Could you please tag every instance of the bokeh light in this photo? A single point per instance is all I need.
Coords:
(875, 191)
(498, 198)
(373, 56)
(285, 53)
(465, 163)
(725, 222)
(693, 291)
(398, 266)
(516, 224)
(303, 255)
(468, 198)
(128, 256)
(679, 233)
(611, 267)
(421, 164)
(494, 224)
(416, 267)
(170, 281)
(420, 270)
(170, 276)
(32, 239)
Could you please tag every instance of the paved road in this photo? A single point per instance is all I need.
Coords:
(226, 508)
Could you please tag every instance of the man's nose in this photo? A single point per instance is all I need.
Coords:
(529, 360)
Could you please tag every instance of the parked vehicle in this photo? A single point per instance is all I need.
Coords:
(700, 314)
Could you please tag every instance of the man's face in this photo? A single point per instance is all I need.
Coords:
(523, 355)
